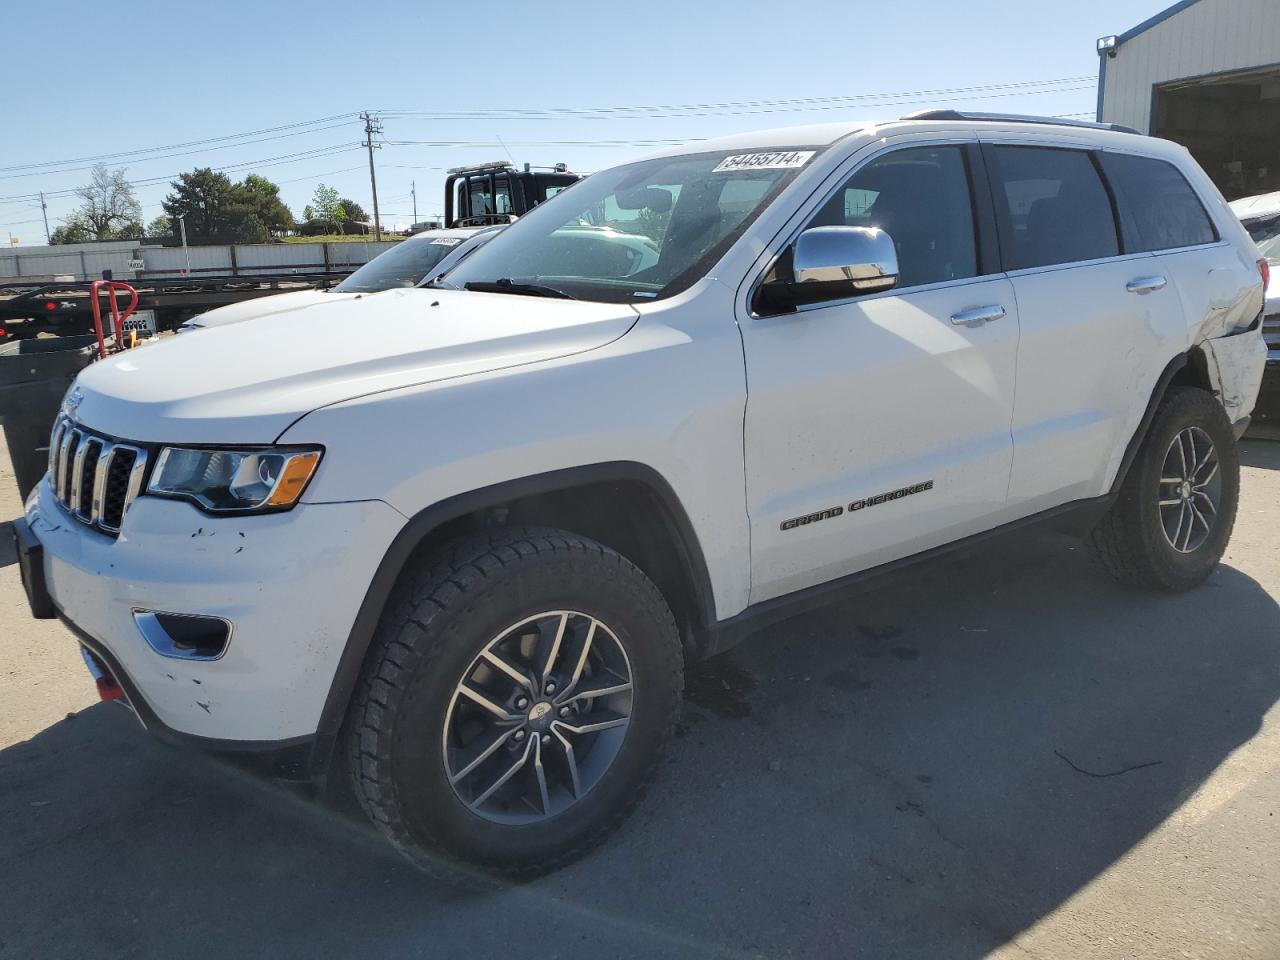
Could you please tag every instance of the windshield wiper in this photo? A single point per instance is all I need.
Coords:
(507, 285)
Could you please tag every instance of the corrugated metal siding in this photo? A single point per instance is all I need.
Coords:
(1212, 36)
(84, 261)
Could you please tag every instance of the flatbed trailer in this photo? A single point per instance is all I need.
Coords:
(30, 308)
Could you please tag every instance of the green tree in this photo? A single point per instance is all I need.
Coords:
(108, 209)
(219, 211)
(263, 198)
(160, 227)
(73, 230)
(355, 212)
(325, 204)
(203, 199)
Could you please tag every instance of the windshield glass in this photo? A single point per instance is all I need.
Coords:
(404, 265)
(641, 231)
(1266, 234)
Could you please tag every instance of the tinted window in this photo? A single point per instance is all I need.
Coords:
(1158, 208)
(921, 198)
(1054, 206)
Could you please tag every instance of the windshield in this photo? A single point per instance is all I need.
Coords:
(1266, 234)
(641, 231)
(404, 265)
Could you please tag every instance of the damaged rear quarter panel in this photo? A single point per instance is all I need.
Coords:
(1236, 365)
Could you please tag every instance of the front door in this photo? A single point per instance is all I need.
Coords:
(879, 426)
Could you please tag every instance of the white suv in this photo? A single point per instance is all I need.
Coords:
(468, 551)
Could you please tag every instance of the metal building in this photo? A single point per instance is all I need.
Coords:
(1205, 73)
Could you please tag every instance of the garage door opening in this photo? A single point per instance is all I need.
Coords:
(1231, 125)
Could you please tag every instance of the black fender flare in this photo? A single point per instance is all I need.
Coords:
(420, 527)
(1171, 370)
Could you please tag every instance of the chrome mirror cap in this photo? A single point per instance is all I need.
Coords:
(863, 258)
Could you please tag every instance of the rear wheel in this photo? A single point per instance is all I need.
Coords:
(522, 689)
(1171, 522)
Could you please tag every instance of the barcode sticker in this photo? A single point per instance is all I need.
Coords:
(779, 160)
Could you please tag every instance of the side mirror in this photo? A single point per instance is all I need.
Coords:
(831, 263)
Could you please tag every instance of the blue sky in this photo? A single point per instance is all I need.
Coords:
(169, 73)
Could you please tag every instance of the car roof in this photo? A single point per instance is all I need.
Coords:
(825, 134)
(458, 233)
(1263, 205)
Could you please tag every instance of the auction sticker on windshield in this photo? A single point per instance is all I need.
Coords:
(447, 241)
(778, 160)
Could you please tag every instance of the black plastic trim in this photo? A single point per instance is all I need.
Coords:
(1157, 394)
(422, 524)
(1076, 517)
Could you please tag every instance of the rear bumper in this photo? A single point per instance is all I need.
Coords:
(1266, 412)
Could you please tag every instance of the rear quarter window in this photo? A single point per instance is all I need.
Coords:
(1158, 208)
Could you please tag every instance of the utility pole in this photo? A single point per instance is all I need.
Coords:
(413, 189)
(373, 125)
(44, 212)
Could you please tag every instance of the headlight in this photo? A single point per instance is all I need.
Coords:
(234, 480)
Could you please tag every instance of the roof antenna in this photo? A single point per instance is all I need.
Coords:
(504, 147)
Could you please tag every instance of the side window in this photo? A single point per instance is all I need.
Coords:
(1158, 208)
(921, 198)
(1054, 207)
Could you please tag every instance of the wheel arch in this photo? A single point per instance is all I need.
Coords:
(627, 506)
(1189, 369)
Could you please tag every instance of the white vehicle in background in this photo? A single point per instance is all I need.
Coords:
(1261, 217)
(470, 550)
(407, 264)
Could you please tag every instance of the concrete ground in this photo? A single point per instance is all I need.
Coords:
(1011, 756)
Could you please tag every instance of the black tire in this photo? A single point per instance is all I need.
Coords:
(1130, 540)
(440, 617)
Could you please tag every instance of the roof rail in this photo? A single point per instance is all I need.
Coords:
(1017, 118)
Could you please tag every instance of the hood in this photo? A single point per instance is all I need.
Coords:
(246, 382)
(261, 306)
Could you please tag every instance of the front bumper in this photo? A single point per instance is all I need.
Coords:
(290, 583)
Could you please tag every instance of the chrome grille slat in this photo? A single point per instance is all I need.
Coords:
(95, 479)
(100, 471)
(77, 476)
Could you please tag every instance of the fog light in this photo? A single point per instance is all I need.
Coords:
(184, 636)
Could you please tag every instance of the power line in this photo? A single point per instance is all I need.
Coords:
(169, 156)
(738, 106)
(176, 146)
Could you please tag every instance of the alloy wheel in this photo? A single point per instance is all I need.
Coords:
(1190, 490)
(538, 717)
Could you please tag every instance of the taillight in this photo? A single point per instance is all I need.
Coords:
(1264, 268)
(51, 306)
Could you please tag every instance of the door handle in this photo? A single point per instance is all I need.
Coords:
(1145, 285)
(977, 316)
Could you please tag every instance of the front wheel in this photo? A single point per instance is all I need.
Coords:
(522, 689)
(1171, 522)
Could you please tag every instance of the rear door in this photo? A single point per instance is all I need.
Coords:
(878, 426)
(1096, 321)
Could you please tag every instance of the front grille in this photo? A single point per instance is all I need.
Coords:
(94, 478)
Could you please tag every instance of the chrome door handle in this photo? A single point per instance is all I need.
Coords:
(977, 316)
(1146, 285)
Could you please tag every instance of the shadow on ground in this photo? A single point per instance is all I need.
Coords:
(8, 553)
(1261, 453)
(922, 772)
